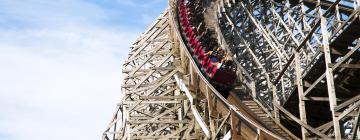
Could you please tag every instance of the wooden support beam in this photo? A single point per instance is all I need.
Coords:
(308, 127)
(166, 58)
(155, 118)
(159, 122)
(352, 113)
(162, 97)
(221, 125)
(323, 128)
(348, 102)
(352, 66)
(235, 133)
(200, 121)
(303, 43)
(194, 110)
(321, 99)
(350, 109)
(174, 133)
(333, 66)
(329, 76)
(153, 137)
(150, 92)
(299, 83)
(227, 136)
(356, 125)
(152, 102)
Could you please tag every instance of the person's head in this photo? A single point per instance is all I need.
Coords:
(215, 48)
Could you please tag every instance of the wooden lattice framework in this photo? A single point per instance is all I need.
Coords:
(301, 55)
(295, 59)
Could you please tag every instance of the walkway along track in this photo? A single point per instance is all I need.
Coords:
(165, 96)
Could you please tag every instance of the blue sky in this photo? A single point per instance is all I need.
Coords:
(60, 64)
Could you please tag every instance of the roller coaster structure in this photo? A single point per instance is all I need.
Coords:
(298, 74)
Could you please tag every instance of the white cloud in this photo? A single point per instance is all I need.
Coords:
(59, 79)
(59, 84)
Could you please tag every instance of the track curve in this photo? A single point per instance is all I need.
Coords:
(279, 56)
(232, 103)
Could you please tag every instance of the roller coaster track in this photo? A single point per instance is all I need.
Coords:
(297, 65)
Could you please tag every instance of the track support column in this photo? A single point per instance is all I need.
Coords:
(299, 83)
(329, 77)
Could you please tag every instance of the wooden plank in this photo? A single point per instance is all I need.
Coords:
(162, 97)
(325, 126)
(195, 112)
(152, 71)
(210, 107)
(356, 127)
(155, 118)
(300, 88)
(303, 43)
(200, 121)
(353, 66)
(162, 81)
(158, 122)
(146, 53)
(334, 66)
(348, 102)
(235, 132)
(174, 133)
(321, 99)
(221, 125)
(153, 137)
(148, 36)
(308, 127)
(329, 76)
(227, 136)
(152, 102)
(183, 87)
(350, 109)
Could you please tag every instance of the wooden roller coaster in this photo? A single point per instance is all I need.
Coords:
(289, 69)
